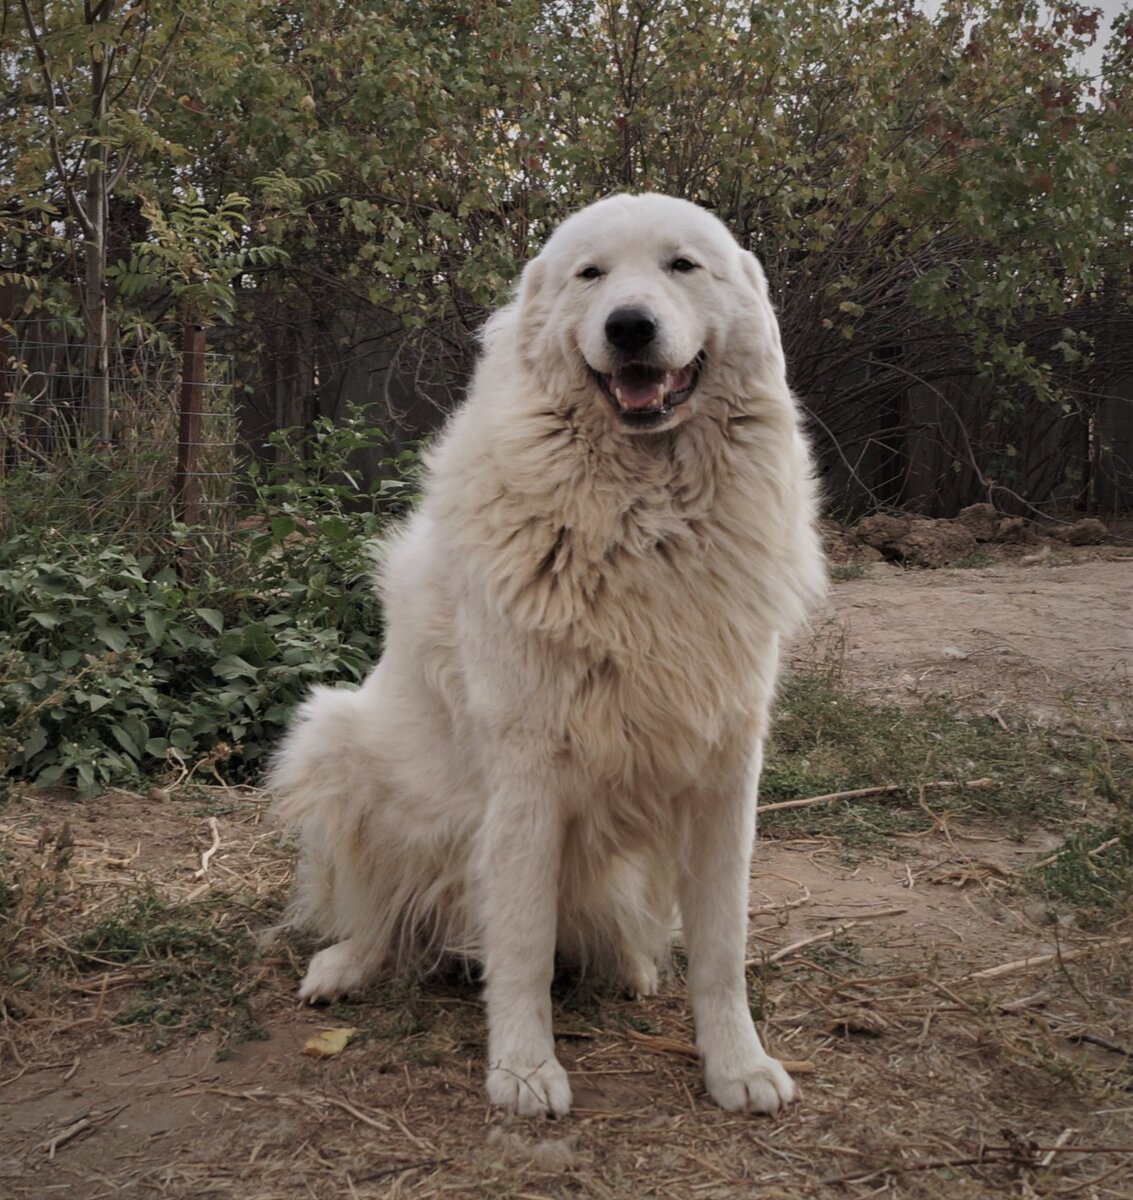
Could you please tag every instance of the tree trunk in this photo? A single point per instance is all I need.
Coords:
(94, 251)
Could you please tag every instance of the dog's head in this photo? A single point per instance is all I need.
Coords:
(643, 302)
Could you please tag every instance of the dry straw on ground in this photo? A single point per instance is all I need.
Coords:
(927, 1071)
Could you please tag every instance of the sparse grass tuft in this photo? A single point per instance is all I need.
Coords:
(1092, 872)
(192, 963)
(827, 739)
(849, 570)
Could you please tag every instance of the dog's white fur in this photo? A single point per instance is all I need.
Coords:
(563, 736)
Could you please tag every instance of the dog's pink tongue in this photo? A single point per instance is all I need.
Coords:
(635, 394)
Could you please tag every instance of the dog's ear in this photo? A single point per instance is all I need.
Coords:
(531, 292)
(753, 273)
(753, 270)
(521, 319)
(761, 307)
(531, 281)
(531, 303)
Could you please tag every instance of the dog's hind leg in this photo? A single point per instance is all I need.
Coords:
(341, 900)
(345, 967)
(329, 782)
(618, 922)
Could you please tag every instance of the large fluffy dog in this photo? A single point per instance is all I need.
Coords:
(562, 739)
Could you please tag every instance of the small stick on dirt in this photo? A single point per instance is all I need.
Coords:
(404, 1168)
(1104, 1043)
(1038, 960)
(81, 1125)
(122, 863)
(781, 906)
(881, 790)
(786, 951)
(987, 1156)
(1089, 1183)
(207, 854)
(667, 1045)
(357, 1114)
(1045, 862)
(102, 997)
(108, 980)
(1059, 1142)
(1035, 1000)
(900, 1169)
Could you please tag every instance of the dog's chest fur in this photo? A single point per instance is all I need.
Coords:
(637, 579)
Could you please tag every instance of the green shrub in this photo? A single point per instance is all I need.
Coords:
(111, 664)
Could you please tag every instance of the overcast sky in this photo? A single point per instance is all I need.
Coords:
(1110, 9)
(1092, 59)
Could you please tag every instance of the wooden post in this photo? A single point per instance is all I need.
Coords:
(7, 376)
(186, 484)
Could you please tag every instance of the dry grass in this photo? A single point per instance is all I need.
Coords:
(932, 1076)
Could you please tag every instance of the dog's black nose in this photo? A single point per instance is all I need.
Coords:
(630, 328)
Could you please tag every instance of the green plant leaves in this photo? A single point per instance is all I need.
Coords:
(110, 663)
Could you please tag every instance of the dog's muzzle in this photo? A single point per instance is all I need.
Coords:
(643, 395)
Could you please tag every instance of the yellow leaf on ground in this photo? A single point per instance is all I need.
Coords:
(328, 1042)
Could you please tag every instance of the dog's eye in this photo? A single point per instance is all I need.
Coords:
(684, 265)
(590, 273)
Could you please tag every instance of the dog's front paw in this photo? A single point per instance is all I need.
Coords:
(758, 1085)
(530, 1089)
(332, 973)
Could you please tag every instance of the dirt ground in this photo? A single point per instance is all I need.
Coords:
(952, 1037)
(1053, 641)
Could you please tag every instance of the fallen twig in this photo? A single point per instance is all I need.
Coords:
(780, 906)
(1045, 862)
(786, 951)
(1059, 1142)
(403, 1168)
(987, 1155)
(1038, 960)
(1104, 1043)
(357, 1114)
(881, 790)
(297, 1098)
(1089, 1183)
(207, 854)
(78, 1126)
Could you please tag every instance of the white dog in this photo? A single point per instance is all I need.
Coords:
(562, 739)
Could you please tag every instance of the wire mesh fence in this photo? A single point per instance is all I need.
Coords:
(172, 458)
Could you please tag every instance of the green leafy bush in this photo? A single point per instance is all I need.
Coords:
(111, 664)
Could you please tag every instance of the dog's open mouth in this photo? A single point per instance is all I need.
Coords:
(643, 395)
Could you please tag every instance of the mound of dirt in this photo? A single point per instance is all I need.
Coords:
(914, 541)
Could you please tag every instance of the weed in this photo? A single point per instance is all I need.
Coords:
(27, 890)
(826, 739)
(193, 967)
(849, 570)
(1092, 872)
(115, 664)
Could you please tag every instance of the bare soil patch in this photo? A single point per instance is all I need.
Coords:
(965, 1040)
(1052, 640)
